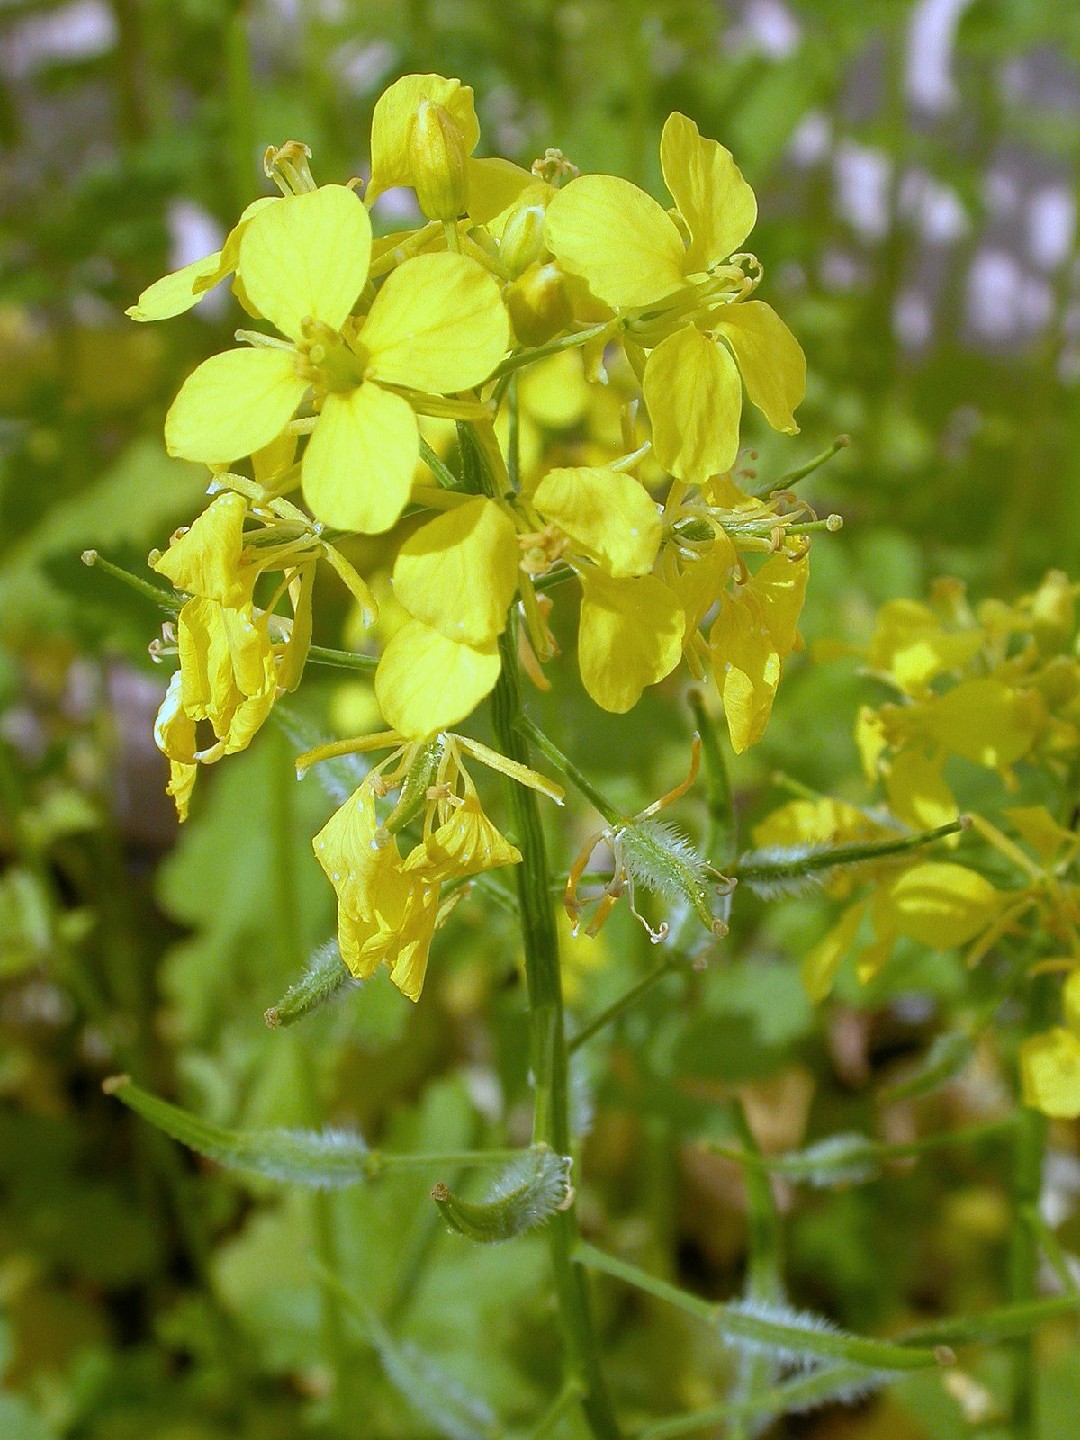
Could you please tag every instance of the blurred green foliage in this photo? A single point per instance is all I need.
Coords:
(144, 1296)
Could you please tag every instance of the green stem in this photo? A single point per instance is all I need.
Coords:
(780, 1334)
(549, 1056)
(569, 770)
(1024, 1268)
(800, 472)
(763, 872)
(290, 938)
(721, 838)
(625, 1002)
(541, 352)
(163, 599)
(342, 659)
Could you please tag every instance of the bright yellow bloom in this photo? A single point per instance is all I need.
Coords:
(458, 575)
(436, 325)
(681, 297)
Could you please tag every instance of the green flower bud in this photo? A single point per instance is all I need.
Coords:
(437, 156)
(539, 305)
(523, 240)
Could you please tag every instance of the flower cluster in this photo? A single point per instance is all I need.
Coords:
(993, 688)
(586, 350)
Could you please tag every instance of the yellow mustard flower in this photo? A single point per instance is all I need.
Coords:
(458, 574)
(436, 325)
(679, 290)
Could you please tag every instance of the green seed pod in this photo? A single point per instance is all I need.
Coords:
(526, 1194)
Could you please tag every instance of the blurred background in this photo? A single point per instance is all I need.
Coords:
(916, 166)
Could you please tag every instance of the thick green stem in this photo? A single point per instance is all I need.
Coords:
(549, 1057)
(332, 1322)
(1024, 1268)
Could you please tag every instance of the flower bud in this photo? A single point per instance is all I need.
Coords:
(523, 240)
(538, 303)
(437, 158)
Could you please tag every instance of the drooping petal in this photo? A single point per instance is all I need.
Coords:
(207, 558)
(464, 844)
(178, 291)
(771, 360)
(426, 683)
(233, 404)
(408, 957)
(358, 467)
(393, 118)
(617, 238)
(438, 324)
(609, 516)
(709, 192)
(630, 636)
(306, 256)
(694, 396)
(458, 573)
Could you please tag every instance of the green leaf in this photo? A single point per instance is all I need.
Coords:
(325, 1160)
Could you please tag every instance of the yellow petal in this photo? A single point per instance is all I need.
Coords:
(709, 192)
(358, 466)
(366, 875)
(494, 185)
(233, 404)
(630, 636)
(986, 721)
(910, 644)
(917, 790)
(174, 729)
(771, 360)
(458, 573)
(426, 683)
(820, 965)
(308, 255)
(392, 121)
(175, 293)
(609, 516)
(408, 962)
(617, 238)
(1050, 1073)
(438, 324)
(694, 397)
(940, 904)
(206, 559)
(1041, 831)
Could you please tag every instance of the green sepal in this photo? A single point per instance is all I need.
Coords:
(527, 1193)
(324, 1160)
